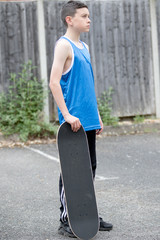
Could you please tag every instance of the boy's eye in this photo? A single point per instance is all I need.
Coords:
(85, 16)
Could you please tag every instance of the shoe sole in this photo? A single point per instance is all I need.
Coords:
(62, 232)
(105, 229)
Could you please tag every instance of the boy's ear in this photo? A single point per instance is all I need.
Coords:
(69, 20)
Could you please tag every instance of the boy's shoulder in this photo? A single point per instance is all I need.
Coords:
(62, 48)
(61, 42)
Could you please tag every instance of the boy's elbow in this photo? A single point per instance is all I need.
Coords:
(53, 85)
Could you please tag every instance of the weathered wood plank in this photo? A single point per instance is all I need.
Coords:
(18, 38)
(119, 42)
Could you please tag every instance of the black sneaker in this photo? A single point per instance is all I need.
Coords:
(65, 230)
(104, 226)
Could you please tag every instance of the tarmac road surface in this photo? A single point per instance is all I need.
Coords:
(127, 189)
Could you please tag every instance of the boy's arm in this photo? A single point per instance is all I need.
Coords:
(60, 56)
(99, 131)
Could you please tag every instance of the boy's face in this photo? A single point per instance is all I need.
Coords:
(80, 21)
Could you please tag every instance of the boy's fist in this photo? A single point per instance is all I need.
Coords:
(73, 121)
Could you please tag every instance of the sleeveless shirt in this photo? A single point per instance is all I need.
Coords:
(78, 90)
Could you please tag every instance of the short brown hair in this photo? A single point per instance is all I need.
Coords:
(69, 9)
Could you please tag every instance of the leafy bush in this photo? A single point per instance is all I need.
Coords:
(138, 119)
(105, 108)
(21, 107)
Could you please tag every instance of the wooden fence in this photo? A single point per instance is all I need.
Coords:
(158, 23)
(18, 38)
(119, 40)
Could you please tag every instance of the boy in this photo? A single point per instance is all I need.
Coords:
(72, 85)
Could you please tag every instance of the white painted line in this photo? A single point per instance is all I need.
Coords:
(98, 178)
(43, 154)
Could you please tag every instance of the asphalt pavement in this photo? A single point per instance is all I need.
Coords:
(127, 189)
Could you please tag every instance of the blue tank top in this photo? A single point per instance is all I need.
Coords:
(77, 85)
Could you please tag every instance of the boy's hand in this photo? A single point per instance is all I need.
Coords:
(98, 131)
(73, 121)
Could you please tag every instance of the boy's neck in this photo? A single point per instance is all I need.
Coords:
(74, 36)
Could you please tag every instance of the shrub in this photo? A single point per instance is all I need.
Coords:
(105, 108)
(22, 106)
(138, 119)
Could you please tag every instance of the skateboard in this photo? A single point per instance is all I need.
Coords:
(78, 182)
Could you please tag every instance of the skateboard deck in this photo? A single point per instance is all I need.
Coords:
(78, 182)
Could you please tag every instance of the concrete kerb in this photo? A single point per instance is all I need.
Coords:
(123, 128)
(128, 128)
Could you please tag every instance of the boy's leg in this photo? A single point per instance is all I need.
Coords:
(91, 136)
(63, 210)
(64, 228)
